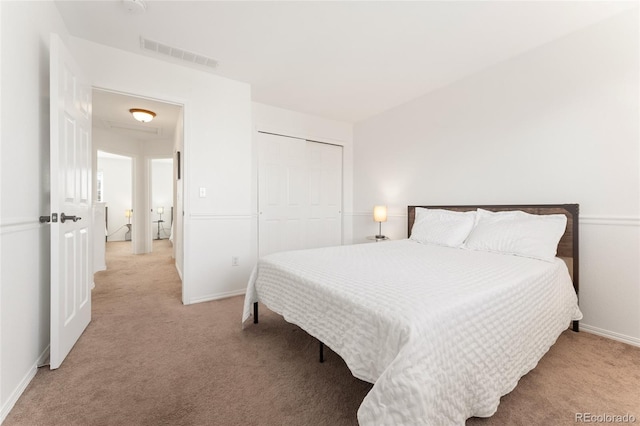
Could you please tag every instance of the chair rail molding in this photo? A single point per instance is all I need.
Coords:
(19, 224)
(610, 220)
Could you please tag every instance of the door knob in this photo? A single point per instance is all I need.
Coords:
(64, 218)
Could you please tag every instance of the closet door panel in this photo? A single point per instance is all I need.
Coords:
(325, 195)
(282, 194)
(299, 194)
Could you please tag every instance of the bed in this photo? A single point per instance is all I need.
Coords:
(442, 332)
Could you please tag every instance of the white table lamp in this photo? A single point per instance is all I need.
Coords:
(380, 215)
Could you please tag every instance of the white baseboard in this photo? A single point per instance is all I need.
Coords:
(19, 390)
(634, 341)
(218, 296)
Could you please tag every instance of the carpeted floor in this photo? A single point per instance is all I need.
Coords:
(146, 359)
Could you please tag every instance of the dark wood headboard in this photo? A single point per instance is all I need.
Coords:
(568, 245)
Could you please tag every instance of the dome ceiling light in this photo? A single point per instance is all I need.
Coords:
(142, 115)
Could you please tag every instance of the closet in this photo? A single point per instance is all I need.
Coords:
(299, 194)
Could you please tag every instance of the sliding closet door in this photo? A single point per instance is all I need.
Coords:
(299, 194)
(281, 193)
(324, 220)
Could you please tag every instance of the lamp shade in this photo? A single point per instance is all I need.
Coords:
(127, 213)
(160, 210)
(380, 213)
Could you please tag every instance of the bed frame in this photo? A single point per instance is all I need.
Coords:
(567, 247)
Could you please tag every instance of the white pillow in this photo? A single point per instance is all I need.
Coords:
(443, 227)
(518, 233)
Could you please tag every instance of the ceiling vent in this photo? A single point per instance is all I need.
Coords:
(176, 53)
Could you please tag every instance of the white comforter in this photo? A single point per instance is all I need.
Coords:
(442, 333)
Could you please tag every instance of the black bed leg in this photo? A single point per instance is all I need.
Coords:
(321, 352)
(255, 312)
(576, 326)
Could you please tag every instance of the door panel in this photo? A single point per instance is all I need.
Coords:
(68, 282)
(299, 194)
(71, 196)
(85, 274)
(84, 164)
(296, 188)
(325, 168)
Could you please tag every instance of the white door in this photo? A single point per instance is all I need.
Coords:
(281, 193)
(299, 194)
(70, 202)
(324, 219)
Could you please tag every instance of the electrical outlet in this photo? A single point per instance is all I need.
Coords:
(235, 261)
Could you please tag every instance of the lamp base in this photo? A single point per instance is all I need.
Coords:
(380, 237)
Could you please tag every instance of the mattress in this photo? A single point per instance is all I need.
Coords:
(441, 332)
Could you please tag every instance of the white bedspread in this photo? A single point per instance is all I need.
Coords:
(442, 333)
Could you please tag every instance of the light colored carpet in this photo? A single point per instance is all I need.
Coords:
(146, 359)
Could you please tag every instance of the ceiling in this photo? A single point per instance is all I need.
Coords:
(346, 60)
(111, 112)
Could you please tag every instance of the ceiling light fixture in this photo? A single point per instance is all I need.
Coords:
(142, 115)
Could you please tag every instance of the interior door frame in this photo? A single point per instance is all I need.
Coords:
(149, 164)
(131, 157)
(178, 209)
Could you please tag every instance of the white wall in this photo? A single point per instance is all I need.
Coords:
(281, 121)
(117, 193)
(217, 156)
(558, 124)
(24, 195)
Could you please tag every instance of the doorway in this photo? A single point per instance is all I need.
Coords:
(140, 212)
(114, 194)
(162, 199)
